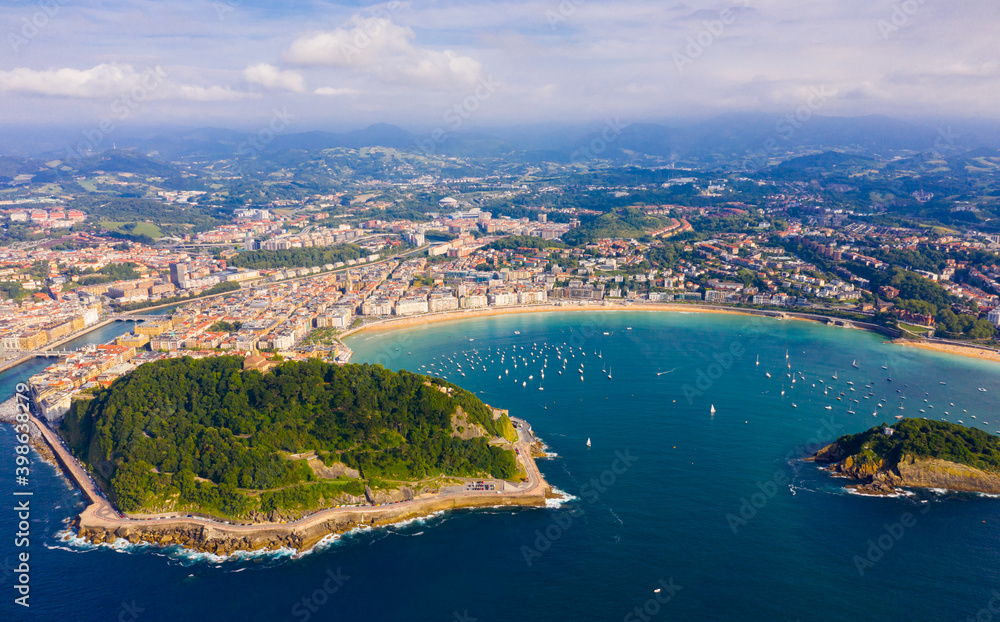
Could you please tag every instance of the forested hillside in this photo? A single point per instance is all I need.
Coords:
(296, 257)
(207, 434)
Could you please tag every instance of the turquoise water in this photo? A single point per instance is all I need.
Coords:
(715, 511)
(676, 511)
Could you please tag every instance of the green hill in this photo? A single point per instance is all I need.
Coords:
(632, 223)
(296, 257)
(923, 438)
(206, 435)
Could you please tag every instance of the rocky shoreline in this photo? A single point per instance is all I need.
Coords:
(879, 479)
(8, 414)
(221, 540)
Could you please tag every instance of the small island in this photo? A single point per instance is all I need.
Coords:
(216, 455)
(916, 453)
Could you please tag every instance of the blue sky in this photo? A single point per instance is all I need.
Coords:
(434, 64)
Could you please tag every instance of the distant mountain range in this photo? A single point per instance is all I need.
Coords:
(716, 142)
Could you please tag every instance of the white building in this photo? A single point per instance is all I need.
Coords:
(532, 296)
(503, 299)
(411, 306)
(994, 317)
(474, 301)
(442, 303)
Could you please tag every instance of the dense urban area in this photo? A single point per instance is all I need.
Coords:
(277, 257)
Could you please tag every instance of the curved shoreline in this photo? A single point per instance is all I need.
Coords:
(397, 323)
(428, 319)
(972, 352)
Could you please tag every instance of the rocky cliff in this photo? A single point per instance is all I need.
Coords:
(879, 478)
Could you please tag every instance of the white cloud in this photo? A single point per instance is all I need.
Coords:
(329, 90)
(378, 46)
(110, 80)
(270, 77)
(206, 93)
(597, 59)
(105, 80)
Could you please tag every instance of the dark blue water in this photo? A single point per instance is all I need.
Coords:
(715, 511)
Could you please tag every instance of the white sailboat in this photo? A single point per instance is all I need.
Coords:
(588, 441)
(712, 411)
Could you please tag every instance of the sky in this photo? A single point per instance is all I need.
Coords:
(461, 64)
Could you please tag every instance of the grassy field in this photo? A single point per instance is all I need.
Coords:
(917, 330)
(142, 228)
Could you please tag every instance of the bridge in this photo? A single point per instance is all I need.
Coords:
(50, 353)
(137, 318)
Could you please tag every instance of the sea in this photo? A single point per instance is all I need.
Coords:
(691, 500)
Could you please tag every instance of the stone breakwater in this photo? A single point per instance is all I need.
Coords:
(225, 540)
(8, 415)
(879, 478)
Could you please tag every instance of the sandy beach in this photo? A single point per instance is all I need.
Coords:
(451, 316)
(966, 351)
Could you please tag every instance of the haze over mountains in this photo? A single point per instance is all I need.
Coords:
(719, 141)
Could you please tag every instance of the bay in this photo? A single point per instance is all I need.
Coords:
(653, 499)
